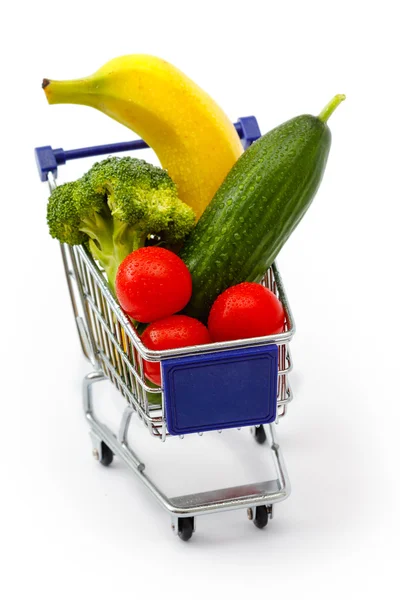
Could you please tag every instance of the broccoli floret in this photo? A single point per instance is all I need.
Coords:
(62, 217)
(115, 207)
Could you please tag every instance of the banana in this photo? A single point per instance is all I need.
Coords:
(192, 137)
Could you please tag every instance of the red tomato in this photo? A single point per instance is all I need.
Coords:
(177, 331)
(243, 311)
(152, 283)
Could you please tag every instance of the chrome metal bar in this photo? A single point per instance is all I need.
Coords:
(69, 275)
(87, 344)
(245, 496)
(155, 422)
(278, 459)
(124, 427)
(242, 496)
(101, 430)
(88, 381)
(78, 281)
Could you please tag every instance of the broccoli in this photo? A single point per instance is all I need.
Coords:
(115, 208)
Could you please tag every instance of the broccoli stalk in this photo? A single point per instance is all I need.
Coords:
(115, 207)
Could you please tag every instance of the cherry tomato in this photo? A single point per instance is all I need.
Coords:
(243, 311)
(177, 331)
(152, 283)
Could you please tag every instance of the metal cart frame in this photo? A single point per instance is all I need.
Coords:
(116, 353)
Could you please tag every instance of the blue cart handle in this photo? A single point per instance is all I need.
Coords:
(47, 159)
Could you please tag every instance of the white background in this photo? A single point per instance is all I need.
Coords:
(70, 528)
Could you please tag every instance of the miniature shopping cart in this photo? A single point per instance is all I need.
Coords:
(227, 385)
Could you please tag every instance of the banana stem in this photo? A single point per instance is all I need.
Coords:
(330, 107)
(74, 91)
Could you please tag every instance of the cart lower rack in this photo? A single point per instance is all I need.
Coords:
(202, 388)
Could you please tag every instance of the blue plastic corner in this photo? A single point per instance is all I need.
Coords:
(46, 162)
(250, 131)
(221, 390)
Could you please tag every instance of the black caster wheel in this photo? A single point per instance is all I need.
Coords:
(106, 455)
(185, 528)
(260, 435)
(261, 518)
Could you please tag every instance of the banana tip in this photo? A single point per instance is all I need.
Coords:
(45, 83)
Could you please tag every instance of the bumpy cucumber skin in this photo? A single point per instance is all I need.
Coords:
(258, 206)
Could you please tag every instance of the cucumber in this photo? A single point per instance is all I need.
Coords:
(257, 207)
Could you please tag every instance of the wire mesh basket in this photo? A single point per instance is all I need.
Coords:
(111, 343)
